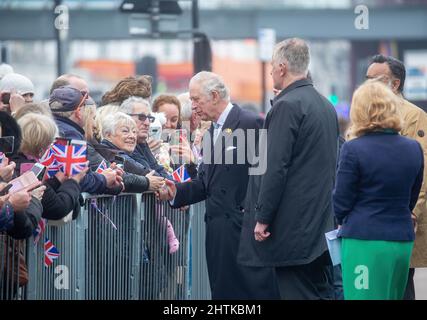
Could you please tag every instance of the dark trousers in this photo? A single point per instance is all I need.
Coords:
(410, 287)
(338, 289)
(313, 281)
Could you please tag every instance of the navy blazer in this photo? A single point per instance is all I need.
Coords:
(378, 182)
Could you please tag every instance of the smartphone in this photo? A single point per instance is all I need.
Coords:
(155, 132)
(5, 190)
(120, 161)
(178, 136)
(5, 97)
(7, 144)
(39, 170)
(27, 181)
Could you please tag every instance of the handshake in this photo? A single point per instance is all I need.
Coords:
(167, 192)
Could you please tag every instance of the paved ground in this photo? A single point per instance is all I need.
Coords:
(421, 284)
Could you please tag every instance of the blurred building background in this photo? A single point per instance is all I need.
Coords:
(104, 44)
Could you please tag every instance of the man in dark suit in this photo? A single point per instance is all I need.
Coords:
(284, 225)
(222, 182)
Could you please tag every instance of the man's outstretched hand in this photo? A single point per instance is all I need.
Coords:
(168, 192)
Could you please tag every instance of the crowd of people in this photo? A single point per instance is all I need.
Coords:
(265, 233)
(117, 131)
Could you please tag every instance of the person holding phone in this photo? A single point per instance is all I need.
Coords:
(25, 209)
(179, 147)
(61, 197)
(16, 90)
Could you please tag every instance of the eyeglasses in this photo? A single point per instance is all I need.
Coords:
(142, 117)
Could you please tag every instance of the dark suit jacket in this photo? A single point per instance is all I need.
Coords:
(378, 182)
(223, 186)
(294, 195)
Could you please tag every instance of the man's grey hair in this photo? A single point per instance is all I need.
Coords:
(112, 121)
(296, 53)
(55, 105)
(127, 105)
(211, 82)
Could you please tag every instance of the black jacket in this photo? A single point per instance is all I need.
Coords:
(58, 199)
(133, 179)
(294, 195)
(143, 155)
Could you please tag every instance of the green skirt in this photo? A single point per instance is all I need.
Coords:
(375, 270)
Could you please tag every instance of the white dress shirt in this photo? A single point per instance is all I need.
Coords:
(221, 120)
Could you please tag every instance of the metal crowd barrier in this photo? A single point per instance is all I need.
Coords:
(13, 275)
(199, 288)
(117, 249)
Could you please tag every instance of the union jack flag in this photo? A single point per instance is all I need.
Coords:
(48, 158)
(181, 174)
(71, 157)
(102, 167)
(50, 253)
(53, 169)
(39, 230)
(49, 161)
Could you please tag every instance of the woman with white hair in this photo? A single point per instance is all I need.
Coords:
(119, 133)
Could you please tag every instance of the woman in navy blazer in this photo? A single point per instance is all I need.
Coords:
(378, 181)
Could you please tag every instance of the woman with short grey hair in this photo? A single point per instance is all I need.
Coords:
(127, 105)
(119, 136)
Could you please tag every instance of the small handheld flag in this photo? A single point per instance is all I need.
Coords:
(181, 174)
(102, 166)
(71, 156)
(39, 230)
(50, 253)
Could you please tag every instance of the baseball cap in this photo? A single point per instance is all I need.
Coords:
(70, 98)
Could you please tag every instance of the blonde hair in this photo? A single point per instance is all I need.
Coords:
(38, 133)
(28, 108)
(89, 112)
(374, 107)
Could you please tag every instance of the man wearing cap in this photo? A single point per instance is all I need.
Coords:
(68, 106)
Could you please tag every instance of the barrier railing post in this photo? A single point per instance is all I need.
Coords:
(81, 227)
(136, 252)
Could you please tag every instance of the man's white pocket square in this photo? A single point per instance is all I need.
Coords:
(231, 148)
